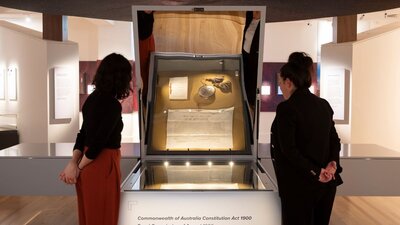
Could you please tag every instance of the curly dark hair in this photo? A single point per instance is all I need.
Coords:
(113, 76)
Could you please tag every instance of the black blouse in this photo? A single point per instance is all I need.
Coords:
(102, 124)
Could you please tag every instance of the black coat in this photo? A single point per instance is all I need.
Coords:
(304, 140)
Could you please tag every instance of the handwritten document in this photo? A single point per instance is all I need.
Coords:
(199, 129)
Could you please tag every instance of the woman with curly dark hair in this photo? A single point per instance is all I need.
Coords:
(95, 164)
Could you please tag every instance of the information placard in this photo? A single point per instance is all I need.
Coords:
(12, 83)
(335, 90)
(2, 84)
(62, 93)
(200, 208)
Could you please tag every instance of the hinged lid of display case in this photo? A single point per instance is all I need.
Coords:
(196, 104)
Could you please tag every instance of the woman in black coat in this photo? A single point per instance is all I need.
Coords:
(305, 150)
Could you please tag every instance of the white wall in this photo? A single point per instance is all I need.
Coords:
(64, 55)
(374, 86)
(28, 54)
(97, 39)
(281, 39)
(376, 94)
(338, 56)
(85, 33)
(26, 51)
(116, 37)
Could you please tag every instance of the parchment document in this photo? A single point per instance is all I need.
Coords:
(199, 129)
(178, 88)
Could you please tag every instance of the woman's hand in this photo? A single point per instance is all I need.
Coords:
(70, 173)
(331, 168)
(328, 173)
(325, 176)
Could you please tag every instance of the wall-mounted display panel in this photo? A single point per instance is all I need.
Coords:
(61, 95)
(12, 85)
(2, 84)
(336, 90)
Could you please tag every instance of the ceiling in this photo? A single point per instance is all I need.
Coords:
(277, 10)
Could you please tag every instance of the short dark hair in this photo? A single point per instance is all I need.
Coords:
(113, 76)
(297, 74)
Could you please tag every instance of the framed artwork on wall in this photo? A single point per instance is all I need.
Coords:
(12, 76)
(2, 84)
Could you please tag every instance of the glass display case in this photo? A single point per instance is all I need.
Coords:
(198, 175)
(198, 162)
(196, 105)
(197, 144)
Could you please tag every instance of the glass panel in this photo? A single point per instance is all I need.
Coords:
(205, 175)
(197, 105)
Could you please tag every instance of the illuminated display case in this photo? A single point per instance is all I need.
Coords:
(198, 175)
(197, 128)
(196, 106)
(198, 161)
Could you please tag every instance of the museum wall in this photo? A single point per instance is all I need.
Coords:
(85, 33)
(376, 93)
(335, 56)
(374, 80)
(116, 37)
(281, 39)
(25, 51)
(64, 55)
(95, 42)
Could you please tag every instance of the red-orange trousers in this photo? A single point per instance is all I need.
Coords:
(98, 189)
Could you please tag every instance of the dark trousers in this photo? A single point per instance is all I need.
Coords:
(307, 207)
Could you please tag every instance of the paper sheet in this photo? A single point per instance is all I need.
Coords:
(199, 129)
(178, 88)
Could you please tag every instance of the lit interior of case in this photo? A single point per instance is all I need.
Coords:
(204, 175)
(197, 105)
